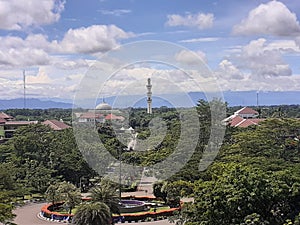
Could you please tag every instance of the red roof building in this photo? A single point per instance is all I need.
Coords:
(246, 112)
(238, 121)
(4, 116)
(56, 125)
(243, 118)
(91, 117)
(114, 117)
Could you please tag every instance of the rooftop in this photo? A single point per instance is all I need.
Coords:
(246, 110)
(56, 125)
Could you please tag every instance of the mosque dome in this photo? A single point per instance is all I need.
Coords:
(103, 106)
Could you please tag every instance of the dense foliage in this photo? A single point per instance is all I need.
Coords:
(255, 178)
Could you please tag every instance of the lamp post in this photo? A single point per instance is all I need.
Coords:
(120, 174)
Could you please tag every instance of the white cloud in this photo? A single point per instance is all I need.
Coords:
(259, 66)
(115, 12)
(23, 57)
(190, 57)
(40, 78)
(290, 83)
(284, 46)
(262, 60)
(36, 49)
(18, 52)
(96, 38)
(67, 64)
(272, 18)
(200, 20)
(229, 71)
(207, 39)
(17, 15)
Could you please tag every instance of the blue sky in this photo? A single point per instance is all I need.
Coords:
(248, 45)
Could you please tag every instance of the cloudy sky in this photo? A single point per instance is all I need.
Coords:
(248, 45)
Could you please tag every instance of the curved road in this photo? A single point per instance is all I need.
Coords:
(28, 215)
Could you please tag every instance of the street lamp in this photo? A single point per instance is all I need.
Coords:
(120, 176)
(120, 172)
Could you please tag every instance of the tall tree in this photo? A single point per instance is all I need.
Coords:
(95, 213)
(107, 193)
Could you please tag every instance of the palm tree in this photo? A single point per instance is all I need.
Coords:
(108, 194)
(95, 213)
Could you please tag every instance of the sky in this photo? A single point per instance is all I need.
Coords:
(246, 45)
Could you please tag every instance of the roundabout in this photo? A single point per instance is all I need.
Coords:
(132, 209)
(29, 215)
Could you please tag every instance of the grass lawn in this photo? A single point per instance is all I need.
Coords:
(158, 209)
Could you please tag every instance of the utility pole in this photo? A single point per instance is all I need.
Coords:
(24, 87)
(120, 174)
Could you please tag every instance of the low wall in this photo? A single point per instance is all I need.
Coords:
(51, 215)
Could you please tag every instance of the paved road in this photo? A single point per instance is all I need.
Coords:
(27, 215)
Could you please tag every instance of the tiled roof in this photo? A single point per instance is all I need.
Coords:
(238, 121)
(20, 122)
(56, 125)
(5, 116)
(235, 120)
(114, 117)
(246, 110)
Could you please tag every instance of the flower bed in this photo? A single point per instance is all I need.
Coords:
(47, 212)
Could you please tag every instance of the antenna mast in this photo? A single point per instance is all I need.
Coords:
(24, 83)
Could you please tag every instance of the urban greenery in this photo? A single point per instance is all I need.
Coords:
(255, 178)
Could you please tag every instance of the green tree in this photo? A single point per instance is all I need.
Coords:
(69, 194)
(237, 192)
(52, 193)
(95, 213)
(159, 191)
(7, 192)
(107, 192)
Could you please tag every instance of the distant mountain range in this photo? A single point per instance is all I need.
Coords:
(32, 103)
(233, 98)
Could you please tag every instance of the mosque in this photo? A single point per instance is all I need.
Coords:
(104, 112)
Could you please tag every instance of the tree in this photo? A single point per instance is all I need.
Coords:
(69, 194)
(7, 191)
(52, 193)
(107, 193)
(159, 191)
(94, 213)
(6, 208)
(237, 193)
